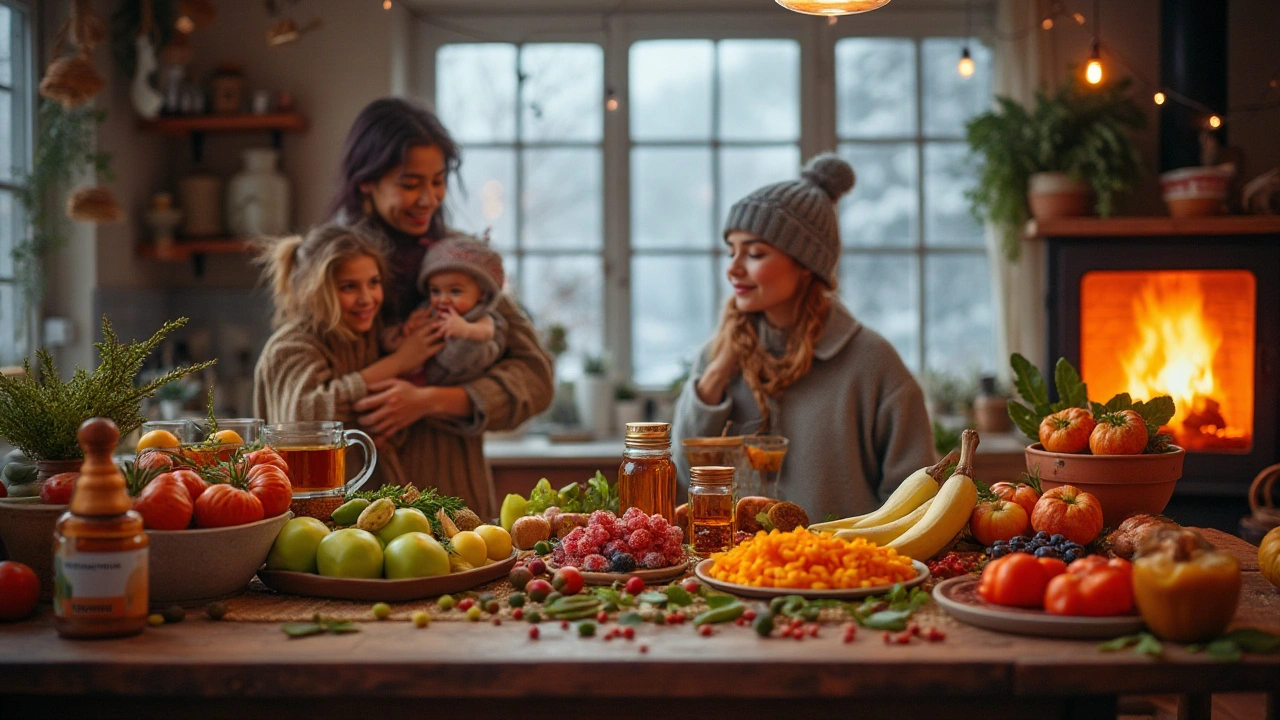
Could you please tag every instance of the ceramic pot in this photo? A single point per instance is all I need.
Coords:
(46, 469)
(200, 197)
(594, 394)
(626, 411)
(1056, 195)
(1195, 191)
(258, 197)
(193, 567)
(26, 529)
(1123, 484)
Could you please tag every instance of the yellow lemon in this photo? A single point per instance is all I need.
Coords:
(470, 547)
(497, 540)
(158, 439)
(227, 437)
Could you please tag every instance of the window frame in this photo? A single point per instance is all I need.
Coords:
(22, 106)
(615, 33)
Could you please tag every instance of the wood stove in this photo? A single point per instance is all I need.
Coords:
(1189, 308)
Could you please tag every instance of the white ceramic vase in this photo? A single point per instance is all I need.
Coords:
(258, 197)
(627, 411)
(594, 394)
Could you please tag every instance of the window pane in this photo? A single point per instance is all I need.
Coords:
(743, 170)
(486, 196)
(882, 292)
(568, 291)
(671, 193)
(958, 317)
(671, 315)
(8, 228)
(563, 198)
(7, 121)
(948, 172)
(875, 88)
(759, 90)
(882, 209)
(6, 45)
(671, 89)
(476, 91)
(563, 92)
(949, 98)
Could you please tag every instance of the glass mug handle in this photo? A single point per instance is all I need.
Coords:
(370, 458)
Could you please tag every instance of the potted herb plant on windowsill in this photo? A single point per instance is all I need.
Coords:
(1070, 153)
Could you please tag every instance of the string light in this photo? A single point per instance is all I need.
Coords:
(386, 4)
(1079, 18)
(1047, 23)
(1093, 71)
(965, 66)
(1215, 122)
(1160, 98)
(611, 100)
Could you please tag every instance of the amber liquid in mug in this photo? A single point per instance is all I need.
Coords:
(315, 469)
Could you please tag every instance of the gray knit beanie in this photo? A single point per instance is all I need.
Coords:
(466, 254)
(799, 216)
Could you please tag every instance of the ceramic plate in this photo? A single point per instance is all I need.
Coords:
(296, 583)
(704, 567)
(650, 577)
(959, 597)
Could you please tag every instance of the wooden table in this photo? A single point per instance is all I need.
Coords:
(460, 670)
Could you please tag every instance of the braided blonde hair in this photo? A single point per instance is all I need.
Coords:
(767, 376)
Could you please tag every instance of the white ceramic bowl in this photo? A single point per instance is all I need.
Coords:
(193, 567)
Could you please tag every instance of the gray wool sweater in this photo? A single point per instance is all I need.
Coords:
(856, 422)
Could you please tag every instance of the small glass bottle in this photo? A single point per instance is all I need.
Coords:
(100, 549)
(711, 507)
(647, 476)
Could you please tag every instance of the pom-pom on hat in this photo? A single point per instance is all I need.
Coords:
(463, 253)
(799, 216)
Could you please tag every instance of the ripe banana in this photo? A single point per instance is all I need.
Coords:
(914, 491)
(950, 510)
(881, 534)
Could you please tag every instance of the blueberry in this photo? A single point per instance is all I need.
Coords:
(999, 552)
(1046, 552)
(1070, 556)
(999, 543)
(1058, 538)
(1042, 535)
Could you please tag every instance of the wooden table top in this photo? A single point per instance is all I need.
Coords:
(205, 659)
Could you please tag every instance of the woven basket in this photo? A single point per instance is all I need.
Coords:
(1262, 503)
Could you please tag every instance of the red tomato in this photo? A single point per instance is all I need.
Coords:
(164, 504)
(997, 520)
(1092, 586)
(224, 506)
(1075, 514)
(194, 483)
(568, 580)
(271, 486)
(4, 490)
(1018, 579)
(57, 489)
(154, 460)
(19, 590)
(1020, 493)
(1121, 433)
(1067, 431)
(267, 456)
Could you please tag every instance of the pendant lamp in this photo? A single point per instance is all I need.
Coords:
(832, 7)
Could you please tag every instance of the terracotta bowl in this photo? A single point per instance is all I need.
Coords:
(1124, 484)
(26, 528)
(193, 567)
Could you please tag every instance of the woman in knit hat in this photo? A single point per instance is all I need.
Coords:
(790, 359)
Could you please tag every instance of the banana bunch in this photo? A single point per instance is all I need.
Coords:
(921, 517)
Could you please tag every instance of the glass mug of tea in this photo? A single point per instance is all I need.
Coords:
(316, 451)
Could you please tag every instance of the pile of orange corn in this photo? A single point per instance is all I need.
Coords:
(811, 561)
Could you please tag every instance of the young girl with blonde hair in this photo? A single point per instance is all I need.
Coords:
(324, 354)
(790, 359)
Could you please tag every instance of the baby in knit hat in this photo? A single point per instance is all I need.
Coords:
(462, 278)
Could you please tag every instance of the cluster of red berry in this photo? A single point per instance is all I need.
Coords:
(955, 564)
(612, 544)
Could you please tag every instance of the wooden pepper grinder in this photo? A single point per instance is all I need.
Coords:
(100, 549)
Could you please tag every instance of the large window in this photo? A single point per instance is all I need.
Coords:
(700, 122)
(15, 130)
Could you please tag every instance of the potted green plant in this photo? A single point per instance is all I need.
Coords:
(627, 406)
(1069, 153)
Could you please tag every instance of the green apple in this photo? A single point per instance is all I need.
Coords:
(349, 553)
(415, 554)
(403, 520)
(295, 546)
(513, 508)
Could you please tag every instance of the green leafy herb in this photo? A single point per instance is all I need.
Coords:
(1254, 641)
(765, 522)
(886, 620)
(302, 629)
(428, 501)
(599, 495)
(715, 601)
(653, 598)
(319, 625)
(631, 617)
(1224, 650)
(677, 595)
(1143, 643)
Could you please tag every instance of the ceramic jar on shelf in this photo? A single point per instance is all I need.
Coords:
(258, 196)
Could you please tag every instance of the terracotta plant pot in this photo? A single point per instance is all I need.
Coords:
(1056, 195)
(46, 469)
(1124, 484)
(26, 528)
(1195, 191)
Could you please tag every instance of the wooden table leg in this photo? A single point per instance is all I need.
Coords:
(1195, 707)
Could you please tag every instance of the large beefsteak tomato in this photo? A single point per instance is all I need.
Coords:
(1119, 433)
(164, 504)
(155, 459)
(225, 505)
(1068, 511)
(997, 520)
(195, 484)
(271, 486)
(57, 489)
(267, 456)
(1017, 492)
(1067, 431)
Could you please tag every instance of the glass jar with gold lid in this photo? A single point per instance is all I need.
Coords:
(647, 476)
(711, 522)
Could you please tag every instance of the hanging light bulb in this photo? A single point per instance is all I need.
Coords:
(965, 66)
(1047, 22)
(1079, 18)
(1093, 71)
(1160, 98)
(386, 4)
(832, 7)
(1215, 122)
(611, 100)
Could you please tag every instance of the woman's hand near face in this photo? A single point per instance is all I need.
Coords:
(716, 377)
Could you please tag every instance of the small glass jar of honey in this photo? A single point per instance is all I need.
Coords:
(711, 507)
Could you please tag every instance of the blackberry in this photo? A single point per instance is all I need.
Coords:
(622, 563)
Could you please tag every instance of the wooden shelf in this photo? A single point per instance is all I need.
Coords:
(184, 125)
(1148, 226)
(187, 249)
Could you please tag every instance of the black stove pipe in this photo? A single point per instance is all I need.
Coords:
(1193, 63)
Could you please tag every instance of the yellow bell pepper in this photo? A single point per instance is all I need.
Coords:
(1186, 589)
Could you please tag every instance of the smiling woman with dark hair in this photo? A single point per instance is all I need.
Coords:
(395, 172)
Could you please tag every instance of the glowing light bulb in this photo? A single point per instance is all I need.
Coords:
(1079, 18)
(832, 20)
(1093, 71)
(1160, 98)
(965, 66)
(386, 4)
(1215, 122)
(611, 101)
(184, 24)
(1047, 23)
